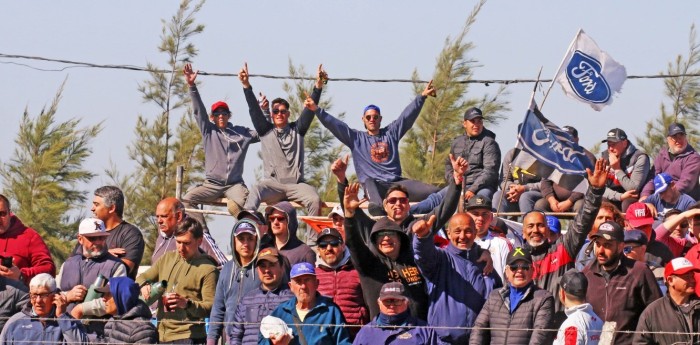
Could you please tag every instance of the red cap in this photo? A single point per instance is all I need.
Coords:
(679, 266)
(219, 104)
(639, 214)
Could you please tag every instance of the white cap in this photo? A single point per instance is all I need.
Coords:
(92, 227)
(336, 210)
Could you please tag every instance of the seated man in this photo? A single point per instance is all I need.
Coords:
(630, 169)
(130, 321)
(44, 320)
(667, 197)
(225, 149)
(558, 199)
(282, 150)
(673, 232)
(376, 151)
(395, 324)
(521, 188)
(680, 160)
(282, 234)
(13, 296)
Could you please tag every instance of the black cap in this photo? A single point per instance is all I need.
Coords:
(472, 113)
(392, 290)
(517, 254)
(636, 236)
(610, 231)
(479, 201)
(674, 129)
(615, 135)
(499, 225)
(574, 283)
(254, 214)
(329, 232)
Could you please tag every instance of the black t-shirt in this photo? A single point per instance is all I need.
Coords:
(127, 236)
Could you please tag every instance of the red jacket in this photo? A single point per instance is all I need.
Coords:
(693, 256)
(30, 253)
(342, 284)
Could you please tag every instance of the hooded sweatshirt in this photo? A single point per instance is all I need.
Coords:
(234, 282)
(294, 250)
(29, 252)
(137, 327)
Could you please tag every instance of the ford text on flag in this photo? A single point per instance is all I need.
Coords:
(550, 152)
(589, 74)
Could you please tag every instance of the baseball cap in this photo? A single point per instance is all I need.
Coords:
(92, 227)
(257, 216)
(219, 104)
(479, 201)
(329, 232)
(639, 214)
(554, 224)
(574, 283)
(661, 182)
(517, 254)
(244, 226)
(268, 254)
(336, 210)
(472, 113)
(393, 290)
(615, 135)
(372, 107)
(499, 225)
(679, 266)
(302, 268)
(674, 129)
(610, 231)
(636, 236)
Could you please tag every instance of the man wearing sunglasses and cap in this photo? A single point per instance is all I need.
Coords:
(225, 149)
(338, 278)
(282, 150)
(518, 313)
(375, 151)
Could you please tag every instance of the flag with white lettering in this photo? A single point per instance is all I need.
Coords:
(589, 74)
(550, 152)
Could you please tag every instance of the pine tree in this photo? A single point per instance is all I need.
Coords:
(427, 145)
(683, 93)
(43, 175)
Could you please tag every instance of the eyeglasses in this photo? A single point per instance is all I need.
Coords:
(282, 111)
(515, 267)
(372, 117)
(220, 114)
(393, 301)
(386, 233)
(4, 213)
(394, 200)
(333, 243)
(628, 249)
(33, 296)
(277, 218)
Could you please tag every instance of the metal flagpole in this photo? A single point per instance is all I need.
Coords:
(551, 84)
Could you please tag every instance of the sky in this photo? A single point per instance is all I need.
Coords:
(365, 39)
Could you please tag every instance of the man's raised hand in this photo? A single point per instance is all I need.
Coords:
(429, 90)
(243, 76)
(351, 199)
(190, 74)
(421, 228)
(309, 103)
(339, 167)
(321, 77)
(459, 166)
(599, 176)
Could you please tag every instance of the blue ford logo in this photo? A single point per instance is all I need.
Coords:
(584, 75)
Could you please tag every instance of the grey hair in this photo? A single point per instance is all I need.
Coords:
(43, 280)
(112, 196)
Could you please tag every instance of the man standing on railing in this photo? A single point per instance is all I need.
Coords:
(225, 149)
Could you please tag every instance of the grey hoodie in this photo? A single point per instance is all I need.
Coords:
(294, 249)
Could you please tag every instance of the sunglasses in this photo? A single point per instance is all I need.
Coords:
(278, 111)
(372, 117)
(220, 114)
(394, 200)
(333, 243)
(381, 234)
(4, 213)
(393, 301)
(277, 218)
(628, 249)
(515, 267)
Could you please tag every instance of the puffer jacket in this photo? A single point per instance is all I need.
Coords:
(484, 156)
(234, 282)
(23, 328)
(525, 325)
(663, 315)
(254, 306)
(342, 284)
(684, 168)
(552, 260)
(294, 250)
(136, 328)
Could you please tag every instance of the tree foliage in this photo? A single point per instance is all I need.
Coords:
(427, 145)
(683, 93)
(43, 175)
(158, 148)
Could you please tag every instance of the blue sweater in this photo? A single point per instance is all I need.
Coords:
(375, 156)
(322, 325)
(234, 282)
(413, 332)
(254, 306)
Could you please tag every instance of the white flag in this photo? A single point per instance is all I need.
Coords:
(589, 74)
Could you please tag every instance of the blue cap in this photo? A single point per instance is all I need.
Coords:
(661, 182)
(372, 106)
(302, 268)
(636, 236)
(675, 128)
(554, 224)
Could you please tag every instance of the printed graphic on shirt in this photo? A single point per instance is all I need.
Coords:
(379, 152)
(412, 275)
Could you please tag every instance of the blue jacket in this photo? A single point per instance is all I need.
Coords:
(322, 325)
(374, 334)
(254, 306)
(456, 286)
(23, 328)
